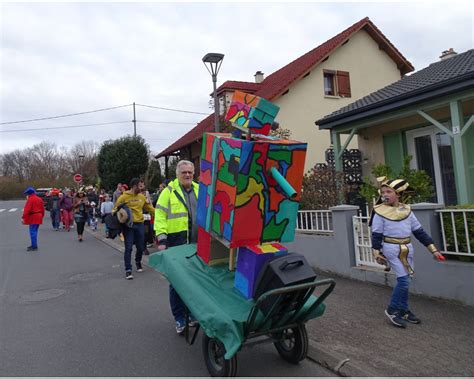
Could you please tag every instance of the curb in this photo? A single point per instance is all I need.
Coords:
(335, 362)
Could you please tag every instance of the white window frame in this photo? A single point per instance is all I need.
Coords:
(431, 131)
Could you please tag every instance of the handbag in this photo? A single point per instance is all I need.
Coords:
(79, 217)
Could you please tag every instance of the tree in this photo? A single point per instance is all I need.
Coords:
(121, 160)
(153, 176)
(420, 182)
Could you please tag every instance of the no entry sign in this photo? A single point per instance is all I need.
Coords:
(78, 178)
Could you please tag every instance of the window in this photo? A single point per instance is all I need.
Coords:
(337, 83)
(329, 87)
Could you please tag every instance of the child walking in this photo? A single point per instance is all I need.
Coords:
(392, 224)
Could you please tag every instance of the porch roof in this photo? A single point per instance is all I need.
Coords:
(440, 78)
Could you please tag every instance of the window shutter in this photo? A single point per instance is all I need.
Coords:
(343, 84)
(393, 150)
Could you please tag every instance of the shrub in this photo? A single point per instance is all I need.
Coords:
(460, 228)
(419, 181)
(323, 187)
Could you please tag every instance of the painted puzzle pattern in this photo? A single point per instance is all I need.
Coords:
(249, 112)
(239, 199)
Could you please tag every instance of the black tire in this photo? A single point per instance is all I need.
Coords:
(293, 345)
(214, 351)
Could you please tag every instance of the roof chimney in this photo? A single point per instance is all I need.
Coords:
(448, 54)
(258, 77)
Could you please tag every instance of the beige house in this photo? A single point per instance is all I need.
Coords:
(354, 63)
(427, 115)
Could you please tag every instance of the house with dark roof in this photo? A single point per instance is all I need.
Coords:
(357, 61)
(427, 115)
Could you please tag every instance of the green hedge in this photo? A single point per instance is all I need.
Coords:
(460, 230)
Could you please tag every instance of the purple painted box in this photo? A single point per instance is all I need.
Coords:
(250, 260)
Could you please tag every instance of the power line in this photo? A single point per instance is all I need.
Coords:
(64, 127)
(66, 115)
(87, 125)
(169, 122)
(173, 110)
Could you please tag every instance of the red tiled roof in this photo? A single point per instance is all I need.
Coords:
(276, 83)
(279, 81)
(206, 125)
(233, 85)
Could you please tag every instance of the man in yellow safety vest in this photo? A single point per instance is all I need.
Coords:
(175, 224)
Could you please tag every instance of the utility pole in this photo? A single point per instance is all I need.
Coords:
(134, 121)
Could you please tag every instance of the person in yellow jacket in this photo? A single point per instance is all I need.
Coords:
(135, 235)
(175, 224)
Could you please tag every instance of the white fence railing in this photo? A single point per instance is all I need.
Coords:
(314, 221)
(457, 230)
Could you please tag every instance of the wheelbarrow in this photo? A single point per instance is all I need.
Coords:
(229, 321)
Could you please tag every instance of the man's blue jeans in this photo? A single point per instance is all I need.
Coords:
(399, 299)
(34, 235)
(133, 236)
(177, 306)
(55, 218)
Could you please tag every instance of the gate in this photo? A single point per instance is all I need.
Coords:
(362, 242)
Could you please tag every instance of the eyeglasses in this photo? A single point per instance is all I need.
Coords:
(187, 173)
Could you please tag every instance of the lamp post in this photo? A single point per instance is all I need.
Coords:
(213, 62)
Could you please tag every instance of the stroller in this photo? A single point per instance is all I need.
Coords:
(93, 217)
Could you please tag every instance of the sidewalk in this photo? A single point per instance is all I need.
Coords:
(355, 338)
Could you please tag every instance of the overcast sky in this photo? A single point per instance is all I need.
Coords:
(60, 58)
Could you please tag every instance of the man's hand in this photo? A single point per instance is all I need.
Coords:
(161, 247)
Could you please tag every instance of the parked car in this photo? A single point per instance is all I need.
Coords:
(43, 193)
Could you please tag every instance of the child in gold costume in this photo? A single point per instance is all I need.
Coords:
(392, 224)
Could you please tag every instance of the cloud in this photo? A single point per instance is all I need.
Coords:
(61, 58)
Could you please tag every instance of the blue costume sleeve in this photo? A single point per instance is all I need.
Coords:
(377, 232)
(377, 239)
(419, 232)
(423, 237)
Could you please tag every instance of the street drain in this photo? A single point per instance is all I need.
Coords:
(86, 276)
(41, 295)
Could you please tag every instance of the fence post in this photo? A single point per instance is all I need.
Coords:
(344, 233)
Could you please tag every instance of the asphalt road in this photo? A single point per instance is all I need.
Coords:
(66, 310)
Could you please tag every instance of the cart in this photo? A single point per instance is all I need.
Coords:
(229, 321)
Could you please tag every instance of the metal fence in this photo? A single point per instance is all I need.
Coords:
(314, 221)
(457, 230)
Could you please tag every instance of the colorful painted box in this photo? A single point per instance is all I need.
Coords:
(250, 112)
(250, 260)
(239, 199)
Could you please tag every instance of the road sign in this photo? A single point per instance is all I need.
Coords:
(78, 178)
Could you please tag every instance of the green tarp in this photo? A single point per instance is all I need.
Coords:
(208, 292)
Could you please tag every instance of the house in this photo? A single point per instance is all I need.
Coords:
(427, 115)
(352, 64)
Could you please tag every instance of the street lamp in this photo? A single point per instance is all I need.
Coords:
(214, 61)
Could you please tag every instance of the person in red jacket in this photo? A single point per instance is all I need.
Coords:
(33, 214)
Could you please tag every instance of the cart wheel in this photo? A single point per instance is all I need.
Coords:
(293, 345)
(214, 351)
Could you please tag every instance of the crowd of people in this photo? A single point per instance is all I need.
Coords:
(71, 208)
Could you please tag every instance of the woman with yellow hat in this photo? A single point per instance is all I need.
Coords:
(392, 224)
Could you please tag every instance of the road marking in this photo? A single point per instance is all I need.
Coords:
(2, 210)
(13, 210)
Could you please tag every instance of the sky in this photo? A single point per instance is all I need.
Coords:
(65, 58)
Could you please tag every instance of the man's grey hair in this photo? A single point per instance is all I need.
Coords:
(183, 163)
